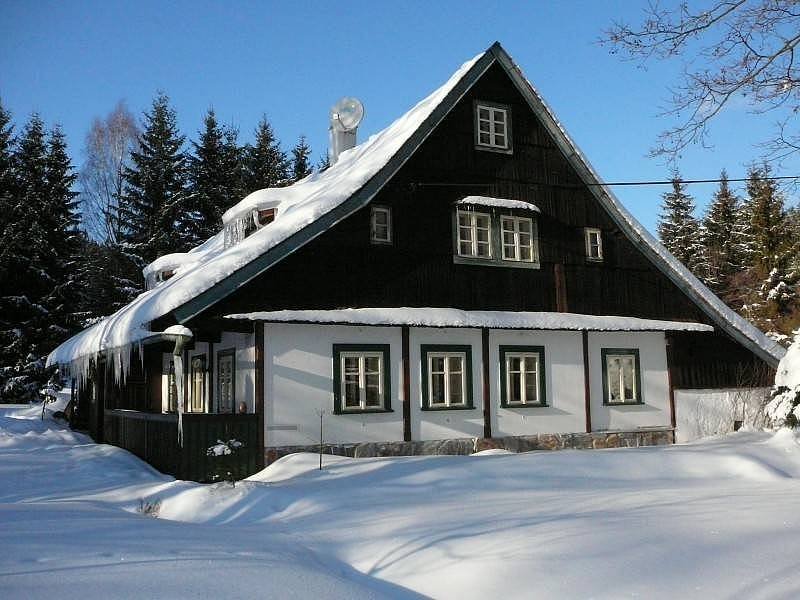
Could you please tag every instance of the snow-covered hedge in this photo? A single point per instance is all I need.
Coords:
(784, 408)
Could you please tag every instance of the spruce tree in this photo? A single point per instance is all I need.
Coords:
(265, 164)
(301, 160)
(214, 182)
(765, 210)
(24, 270)
(677, 227)
(155, 187)
(719, 228)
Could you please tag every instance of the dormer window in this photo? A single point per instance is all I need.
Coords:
(492, 127)
(263, 217)
(164, 275)
(594, 244)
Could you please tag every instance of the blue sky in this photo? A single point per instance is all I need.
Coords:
(72, 61)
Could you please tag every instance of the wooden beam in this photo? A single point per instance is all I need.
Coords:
(561, 288)
(586, 388)
(405, 334)
(259, 391)
(670, 362)
(487, 401)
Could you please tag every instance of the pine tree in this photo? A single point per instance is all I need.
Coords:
(677, 227)
(301, 160)
(214, 182)
(765, 209)
(155, 187)
(265, 164)
(718, 237)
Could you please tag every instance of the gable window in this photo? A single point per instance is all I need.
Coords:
(522, 380)
(198, 384)
(381, 225)
(519, 235)
(594, 243)
(474, 234)
(492, 127)
(446, 377)
(226, 381)
(361, 378)
(622, 382)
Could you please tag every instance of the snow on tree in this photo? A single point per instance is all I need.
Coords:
(154, 194)
(265, 163)
(677, 227)
(784, 407)
(301, 159)
(718, 231)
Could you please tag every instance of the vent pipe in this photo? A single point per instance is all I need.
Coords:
(345, 117)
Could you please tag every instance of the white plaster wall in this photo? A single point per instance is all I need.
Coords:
(655, 384)
(702, 413)
(243, 343)
(444, 424)
(565, 410)
(298, 380)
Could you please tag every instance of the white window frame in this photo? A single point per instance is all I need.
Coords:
(197, 405)
(515, 221)
(523, 356)
(446, 373)
(626, 358)
(362, 385)
(588, 233)
(489, 125)
(373, 225)
(473, 228)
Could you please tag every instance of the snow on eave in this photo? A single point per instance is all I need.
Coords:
(453, 317)
(498, 203)
(735, 325)
(170, 261)
(265, 198)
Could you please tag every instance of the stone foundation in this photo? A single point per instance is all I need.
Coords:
(465, 446)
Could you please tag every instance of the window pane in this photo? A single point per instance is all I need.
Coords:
(463, 220)
(465, 248)
(515, 386)
(524, 225)
(500, 140)
(500, 128)
(381, 217)
(437, 364)
(484, 138)
(372, 364)
(531, 384)
(613, 379)
(508, 237)
(514, 363)
(437, 388)
(351, 395)
(483, 113)
(373, 391)
(456, 391)
(525, 253)
(483, 249)
(455, 363)
(465, 233)
(627, 378)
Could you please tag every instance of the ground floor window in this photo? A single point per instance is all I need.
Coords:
(522, 376)
(361, 378)
(226, 381)
(446, 376)
(198, 383)
(622, 382)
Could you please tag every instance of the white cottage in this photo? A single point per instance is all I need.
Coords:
(461, 280)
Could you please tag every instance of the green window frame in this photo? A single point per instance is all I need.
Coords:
(361, 352)
(448, 372)
(222, 356)
(524, 352)
(617, 359)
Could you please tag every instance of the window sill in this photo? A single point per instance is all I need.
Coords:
(595, 261)
(368, 411)
(506, 405)
(494, 262)
(638, 403)
(440, 408)
(381, 242)
(494, 149)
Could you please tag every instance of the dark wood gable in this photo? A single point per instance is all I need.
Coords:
(342, 268)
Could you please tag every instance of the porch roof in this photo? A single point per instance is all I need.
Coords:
(453, 317)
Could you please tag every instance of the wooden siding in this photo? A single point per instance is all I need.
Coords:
(342, 269)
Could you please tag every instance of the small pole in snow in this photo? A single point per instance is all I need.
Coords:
(321, 414)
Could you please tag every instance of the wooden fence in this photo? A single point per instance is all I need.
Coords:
(154, 439)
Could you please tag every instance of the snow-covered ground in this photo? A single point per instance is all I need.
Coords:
(707, 520)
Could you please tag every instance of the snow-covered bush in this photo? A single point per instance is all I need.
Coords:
(784, 407)
(222, 459)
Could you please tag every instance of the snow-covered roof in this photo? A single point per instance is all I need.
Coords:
(453, 317)
(169, 262)
(320, 199)
(266, 198)
(498, 203)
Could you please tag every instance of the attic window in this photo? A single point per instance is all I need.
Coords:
(594, 244)
(381, 225)
(263, 217)
(492, 127)
(164, 275)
